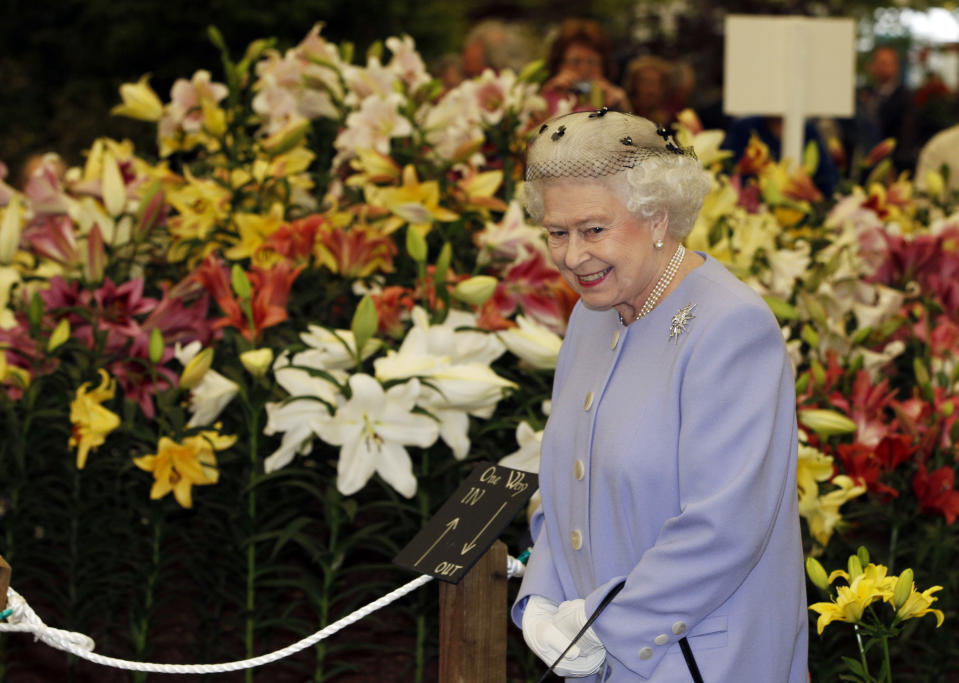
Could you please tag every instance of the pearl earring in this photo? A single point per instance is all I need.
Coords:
(658, 244)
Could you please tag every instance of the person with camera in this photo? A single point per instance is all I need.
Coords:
(579, 67)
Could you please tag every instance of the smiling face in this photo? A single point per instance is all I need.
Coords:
(604, 252)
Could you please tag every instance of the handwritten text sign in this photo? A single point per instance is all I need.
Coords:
(469, 522)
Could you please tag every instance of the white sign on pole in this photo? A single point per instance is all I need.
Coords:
(792, 67)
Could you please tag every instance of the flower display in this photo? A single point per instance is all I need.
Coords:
(326, 258)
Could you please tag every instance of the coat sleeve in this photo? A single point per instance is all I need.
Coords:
(737, 427)
(541, 577)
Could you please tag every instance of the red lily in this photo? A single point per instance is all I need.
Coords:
(936, 492)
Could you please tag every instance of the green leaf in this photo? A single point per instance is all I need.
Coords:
(781, 308)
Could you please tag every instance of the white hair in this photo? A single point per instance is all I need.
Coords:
(652, 174)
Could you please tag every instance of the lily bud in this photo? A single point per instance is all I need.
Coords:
(257, 361)
(10, 228)
(415, 245)
(826, 422)
(96, 255)
(935, 185)
(151, 208)
(60, 335)
(35, 312)
(365, 322)
(195, 370)
(880, 151)
(240, 282)
(690, 121)
(818, 372)
(817, 574)
(139, 101)
(903, 589)
(855, 567)
(156, 345)
(288, 137)
(476, 290)
(863, 554)
(111, 186)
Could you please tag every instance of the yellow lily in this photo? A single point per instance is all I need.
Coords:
(91, 421)
(476, 191)
(822, 512)
(139, 101)
(178, 467)
(413, 202)
(372, 167)
(850, 602)
(918, 605)
(13, 375)
(200, 205)
(252, 231)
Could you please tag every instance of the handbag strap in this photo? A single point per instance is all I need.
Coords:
(683, 642)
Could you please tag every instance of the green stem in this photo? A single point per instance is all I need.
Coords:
(424, 500)
(862, 652)
(893, 540)
(329, 572)
(251, 546)
(886, 664)
(142, 627)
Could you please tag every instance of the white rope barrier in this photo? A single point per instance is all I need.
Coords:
(24, 620)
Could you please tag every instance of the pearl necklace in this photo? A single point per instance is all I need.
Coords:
(663, 283)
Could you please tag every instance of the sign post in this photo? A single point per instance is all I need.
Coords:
(459, 546)
(5, 572)
(792, 67)
(473, 622)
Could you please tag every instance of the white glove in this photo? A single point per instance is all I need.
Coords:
(570, 617)
(547, 638)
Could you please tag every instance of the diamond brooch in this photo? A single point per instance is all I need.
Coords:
(678, 324)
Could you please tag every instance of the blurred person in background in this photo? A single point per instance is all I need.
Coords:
(495, 44)
(649, 82)
(884, 110)
(580, 69)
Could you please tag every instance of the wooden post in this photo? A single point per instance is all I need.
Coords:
(473, 623)
(5, 572)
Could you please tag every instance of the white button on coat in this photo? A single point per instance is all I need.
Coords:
(646, 653)
(579, 470)
(661, 639)
(679, 628)
(615, 340)
(589, 401)
(576, 539)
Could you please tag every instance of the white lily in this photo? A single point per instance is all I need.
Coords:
(211, 395)
(332, 349)
(373, 428)
(534, 343)
(527, 457)
(304, 415)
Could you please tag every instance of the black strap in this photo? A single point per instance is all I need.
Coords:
(690, 660)
(683, 642)
(589, 622)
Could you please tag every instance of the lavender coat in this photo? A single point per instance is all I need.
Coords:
(672, 464)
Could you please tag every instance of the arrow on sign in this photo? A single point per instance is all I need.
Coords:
(450, 525)
(472, 544)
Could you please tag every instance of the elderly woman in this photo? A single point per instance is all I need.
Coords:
(668, 467)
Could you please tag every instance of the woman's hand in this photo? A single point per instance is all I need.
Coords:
(549, 628)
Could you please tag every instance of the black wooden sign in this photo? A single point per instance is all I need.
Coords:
(469, 522)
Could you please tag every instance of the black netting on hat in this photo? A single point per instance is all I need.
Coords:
(600, 163)
(596, 167)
